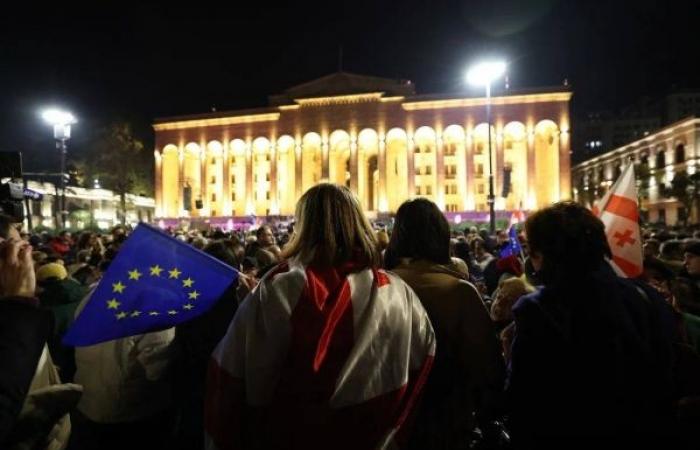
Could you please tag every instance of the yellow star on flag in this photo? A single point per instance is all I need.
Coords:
(172, 312)
(174, 273)
(193, 295)
(118, 287)
(121, 315)
(153, 313)
(156, 270)
(113, 304)
(135, 313)
(188, 306)
(134, 274)
(187, 282)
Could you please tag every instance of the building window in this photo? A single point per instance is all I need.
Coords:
(267, 195)
(450, 149)
(428, 190)
(480, 189)
(660, 160)
(233, 179)
(662, 215)
(418, 190)
(233, 196)
(213, 179)
(682, 214)
(213, 197)
(212, 161)
(480, 148)
(680, 153)
(429, 170)
(267, 177)
(480, 170)
(447, 190)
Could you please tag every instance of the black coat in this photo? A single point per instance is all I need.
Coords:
(592, 361)
(24, 330)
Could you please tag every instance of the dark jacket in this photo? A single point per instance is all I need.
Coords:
(24, 330)
(592, 360)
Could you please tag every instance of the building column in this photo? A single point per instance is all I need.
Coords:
(468, 196)
(249, 185)
(203, 185)
(160, 210)
(564, 165)
(227, 182)
(297, 170)
(498, 173)
(531, 201)
(180, 181)
(354, 157)
(324, 159)
(274, 202)
(439, 172)
(411, 166)
(382, 202)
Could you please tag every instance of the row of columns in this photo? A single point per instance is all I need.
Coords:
(439, 195)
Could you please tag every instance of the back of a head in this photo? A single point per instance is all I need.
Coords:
(570, 239)
(221, 251)
(420, 232)
(331, 229)
(672, 249)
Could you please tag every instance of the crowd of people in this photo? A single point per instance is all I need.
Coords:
(341, 335)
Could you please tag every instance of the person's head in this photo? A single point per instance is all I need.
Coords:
(658, 275)
(420, 232)
(8, 229)
(64, 235)
(221, 251)
(264, 236)
(566, 242)
(691, 257)
(671, 250)
(651, 248)
(509, 291)
(51, 272)
(382, 240)
(501, 237)
(478, 247)
(331, 229)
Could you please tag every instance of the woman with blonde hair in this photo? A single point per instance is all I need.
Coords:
(328, 351)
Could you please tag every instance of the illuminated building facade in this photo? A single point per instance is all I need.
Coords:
(658, 158)
(375, 136)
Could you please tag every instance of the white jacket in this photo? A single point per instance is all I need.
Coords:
(125, 379)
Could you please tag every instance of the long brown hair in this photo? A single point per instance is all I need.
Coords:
(331, 229)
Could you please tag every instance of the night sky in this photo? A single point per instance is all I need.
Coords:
(138, 62)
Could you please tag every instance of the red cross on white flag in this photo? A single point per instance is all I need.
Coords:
(619, 211)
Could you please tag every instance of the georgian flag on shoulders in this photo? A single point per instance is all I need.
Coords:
(320, 358)
(619, 211)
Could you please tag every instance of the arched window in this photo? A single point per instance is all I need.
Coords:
(660, 159)
(680, 154)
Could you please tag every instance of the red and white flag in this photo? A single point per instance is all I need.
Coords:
(320, 358)
(516, 217)
(619, 211)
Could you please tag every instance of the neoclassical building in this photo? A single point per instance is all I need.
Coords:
(657, 157)
(373, 135)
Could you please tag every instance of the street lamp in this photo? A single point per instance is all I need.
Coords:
(61, 122)
(483, 74)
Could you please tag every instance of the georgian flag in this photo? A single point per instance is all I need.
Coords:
(619, 211)
(516, 217)
(320, 358)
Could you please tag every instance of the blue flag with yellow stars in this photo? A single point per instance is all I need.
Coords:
(512, 247)
(155, 282)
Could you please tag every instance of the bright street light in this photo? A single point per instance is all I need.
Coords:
(483, 74)
(61, 122)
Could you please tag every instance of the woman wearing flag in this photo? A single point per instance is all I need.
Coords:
(328, 351)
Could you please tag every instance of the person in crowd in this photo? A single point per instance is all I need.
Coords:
(61, 295)
(61, 244)
(509, 291)
(687, 288)
(671, 253)
(195, 341)
(328, 351)
(592, 357)
(481, 256)
(468, 368)
(651, 248)
(34, 405)
(382, 240)
(128, 394)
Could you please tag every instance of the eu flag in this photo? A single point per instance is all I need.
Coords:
(512, 247)
(154, 283)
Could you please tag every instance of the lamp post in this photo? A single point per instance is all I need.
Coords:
(61, 122)
(483, 74)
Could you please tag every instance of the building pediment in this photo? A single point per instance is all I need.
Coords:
(343, 84)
